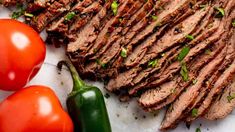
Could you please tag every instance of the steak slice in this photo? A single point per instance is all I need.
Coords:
(124, 84)
(120, 34)
(118, 29)
(185, 99)
(170, 11)
(38, 5)
(176, 35)
(159, 78)
(48, 15)
(223, 105)
(222, 82)
(166, 94)
(104, 35)
(84, 7)
(89, 32)
(117, 60)
(207, 99)
(138, 53)
(139, 15)
(126, 41)
(84, 17)
(106, 55)
(123, 79)
(111, 30)
(162, 63)
(11, 2)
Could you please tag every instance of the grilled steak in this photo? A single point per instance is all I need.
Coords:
(11, 2)
(176, 53)
(169, 93)
(224, 104)
(174, 113)
(38, 5)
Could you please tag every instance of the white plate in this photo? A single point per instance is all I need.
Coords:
(124, 117)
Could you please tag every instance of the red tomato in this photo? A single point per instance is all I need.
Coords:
(34, 109)
(22, 54)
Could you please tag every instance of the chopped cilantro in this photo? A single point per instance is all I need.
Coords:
(231, 97)
(114, 7)
(69, 16)
(184, 71)
(233, 23)
(194, 112)
(19, 12)
(219, 12)
(153, 63)
(163, 54)
(124, 53)
(120, 20)
(28, 15)
(198, 130)
(202, 6)
(183, 53)
(190, 37)
(103, 65)
(194, 81)
(154, 17)
(173, 90)
(208, 51)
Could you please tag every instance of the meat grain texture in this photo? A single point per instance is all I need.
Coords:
(178, 54)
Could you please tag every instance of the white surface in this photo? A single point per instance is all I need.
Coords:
(124, 117)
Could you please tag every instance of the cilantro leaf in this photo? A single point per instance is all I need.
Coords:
(183, 53)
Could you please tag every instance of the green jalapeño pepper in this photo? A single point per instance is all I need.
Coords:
(86, 105)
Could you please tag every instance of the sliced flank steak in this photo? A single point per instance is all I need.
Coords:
(165, 94)
(174, 113)
(49, 14)
(178, 54)
(62, 24)
(148, 42)
(224, 103)
(159, 78)
(89, 32)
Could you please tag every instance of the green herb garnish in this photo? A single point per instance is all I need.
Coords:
(184, 71)
(220, 12)
(163, 54)
(231, 97)
(208, 51)
(103, 65)
(28, 15)
(233, 23)
(190, 37)
(158, 24)
(124, 53)
(198, 130)
(194, 81)
(70, 16)
(154, 17)
(194, 112)
(183, 53)
(153, 63)
(120, 20)
(173, 90)
(20, 11)
(114, 7)
(202, 6)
